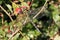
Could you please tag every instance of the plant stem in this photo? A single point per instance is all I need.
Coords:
(6, 13)
(40, 10)
(2, 19)
(14, 34)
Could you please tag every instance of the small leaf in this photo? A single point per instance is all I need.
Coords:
(35, 20)
(56, 16)
(14, 5)
(25, 38)
(9, 7)
(2, 33)
(35, 5)
(1, 1)
(21, 0)
(24, 4)
(29, 25)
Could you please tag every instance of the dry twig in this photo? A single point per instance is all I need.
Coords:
(6, 12)
(34, 25)
(30, 21)
(14, 33)
(18, 30)
(37, 15)
(40, 10)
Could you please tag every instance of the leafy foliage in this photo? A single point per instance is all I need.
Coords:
(21, 12)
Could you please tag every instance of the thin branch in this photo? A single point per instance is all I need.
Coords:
(23, 35)
(32, 22)
(14, 34)
(34, 25)
(2, 18)
(40, 10)
(18, 30)
(6, 12)
(25, 21)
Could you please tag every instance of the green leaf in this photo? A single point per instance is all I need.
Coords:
(6, 24)
(52, 7)
(16, 36)
(21, 0)
(1, 1)
(15, 6)
(56, 16)
(33, 33)
(36, 33)
(25, 38)
(29, 25)
(35, 5)
(9, 7)
(35, 20)
(19, 25)
(24, 4)
(2, 33)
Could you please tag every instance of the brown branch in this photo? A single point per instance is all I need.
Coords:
(25, 21)
(34, 25)
(31, 21)
(18, 30)
(14, 34)
(6, 12)
(23, 34)
(40, 10)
